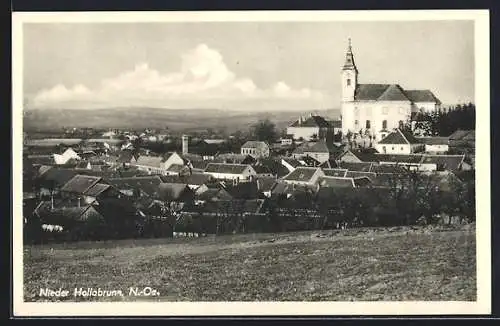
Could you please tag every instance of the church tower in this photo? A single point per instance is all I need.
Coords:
(349, 76)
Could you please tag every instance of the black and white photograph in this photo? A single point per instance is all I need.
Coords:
(251, 163)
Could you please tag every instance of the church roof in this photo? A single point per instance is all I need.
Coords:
(392, 92)
(424, 95)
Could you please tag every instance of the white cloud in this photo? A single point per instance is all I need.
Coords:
(203, 75)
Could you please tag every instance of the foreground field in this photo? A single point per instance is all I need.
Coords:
(363, 264)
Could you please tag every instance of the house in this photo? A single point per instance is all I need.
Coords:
(50, 181)
(434, 145)
(193, 180)
(463, 138)
(237, 172)
(290, 163)
(175, 192)
(68, 154)
(150, 164)
(357, 166)
(336, 182)
(313, 127)
(39, 160)
(399, 142)
(138, 186)
(291, 190)
(339, 173)
(357, 156)
(66, 216)
(411, 162)
(376, 109)
(303, 176)
(212, 195)
(243, 190)
(321, 151)
(447, 162)
(274, 167)
(265, 185)
(88, 188)
(177, 169)
(127, 157)
(256, 149)
(360, 174)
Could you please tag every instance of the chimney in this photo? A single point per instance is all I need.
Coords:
(185, 142)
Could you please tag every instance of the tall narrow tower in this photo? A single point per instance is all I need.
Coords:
(349, 76)
(185, 143)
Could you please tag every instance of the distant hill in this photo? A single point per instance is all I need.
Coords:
(174, 119)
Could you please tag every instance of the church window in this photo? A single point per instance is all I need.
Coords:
(368, 124)
(384, 124)
(356, 123)
(348, 82)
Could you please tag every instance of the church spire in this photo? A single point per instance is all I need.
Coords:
(349, 59)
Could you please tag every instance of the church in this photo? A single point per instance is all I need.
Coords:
(377, 109)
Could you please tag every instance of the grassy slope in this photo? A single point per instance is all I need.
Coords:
(342, 266)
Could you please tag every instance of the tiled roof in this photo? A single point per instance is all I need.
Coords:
(291, 161)
(424, 95)
(433, 140)
(80, 183)
(361, 166)
(330, 164)
(97, 189)
(152, 161)
(57, 177)
(175, 168)
(148, 184)
(392, 92)
(388, 168)
(411, 158)
(309, 161)
(41, 159)
(444, 162)
(255, 144)
(190, 179)
(360, 174)
(214, 194)
(399, 137)
(312, 121)
(243, 190)
(335, 172)
(226, 168)
(281, 188)
(265, 183)
(369, 92)
(314, 147)
(301, 174)
(60, 214)
(460, 134)
(334, 182)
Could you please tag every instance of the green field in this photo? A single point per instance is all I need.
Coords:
(358, 264)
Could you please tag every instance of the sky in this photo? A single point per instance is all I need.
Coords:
(239, 65)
